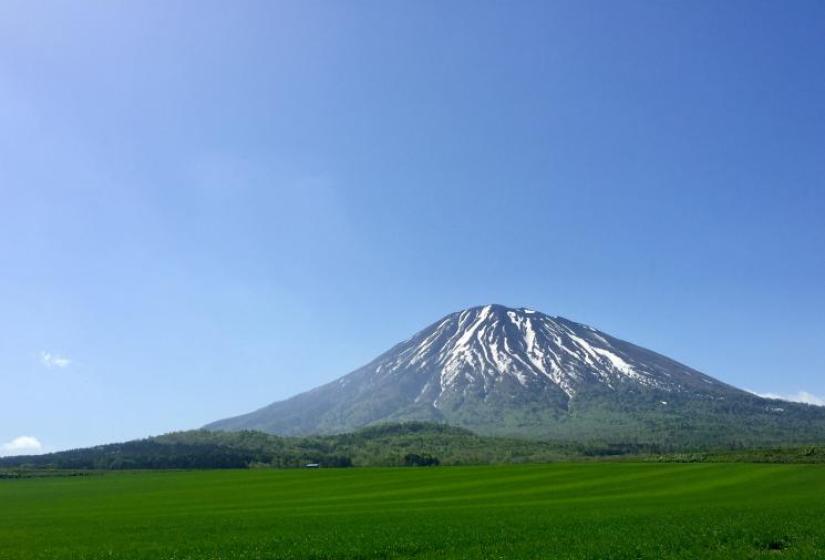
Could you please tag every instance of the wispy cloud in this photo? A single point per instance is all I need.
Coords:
(21, 445)
(801, 396)
(54, 361)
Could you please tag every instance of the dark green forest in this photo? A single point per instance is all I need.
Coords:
(413, 444)
(407, 444)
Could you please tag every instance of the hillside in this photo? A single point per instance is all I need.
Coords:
(409, 444)
(403, 444)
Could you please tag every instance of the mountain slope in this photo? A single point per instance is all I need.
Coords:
(499, 370)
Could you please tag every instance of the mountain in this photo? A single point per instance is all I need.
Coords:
(505, 371)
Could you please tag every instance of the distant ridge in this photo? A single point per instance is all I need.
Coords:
(517, 371)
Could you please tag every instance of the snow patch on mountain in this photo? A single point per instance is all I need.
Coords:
(482, 347)
(801, 397)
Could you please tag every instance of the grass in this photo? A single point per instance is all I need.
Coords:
(590, 510)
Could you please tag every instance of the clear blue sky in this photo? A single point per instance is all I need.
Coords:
(208, 206)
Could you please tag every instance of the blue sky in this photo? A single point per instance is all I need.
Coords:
(208, 206)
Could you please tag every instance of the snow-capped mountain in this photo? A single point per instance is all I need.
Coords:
(518, 371)
(479, 348)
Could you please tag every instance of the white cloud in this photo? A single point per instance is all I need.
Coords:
(21, 445)
(801, 396)
(54, 361)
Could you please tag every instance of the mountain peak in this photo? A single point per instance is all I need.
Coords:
(480, 347)
(496, 309)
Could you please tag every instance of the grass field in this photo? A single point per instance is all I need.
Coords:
(590, 510)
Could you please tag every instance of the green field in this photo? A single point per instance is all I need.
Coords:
(586, 510)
